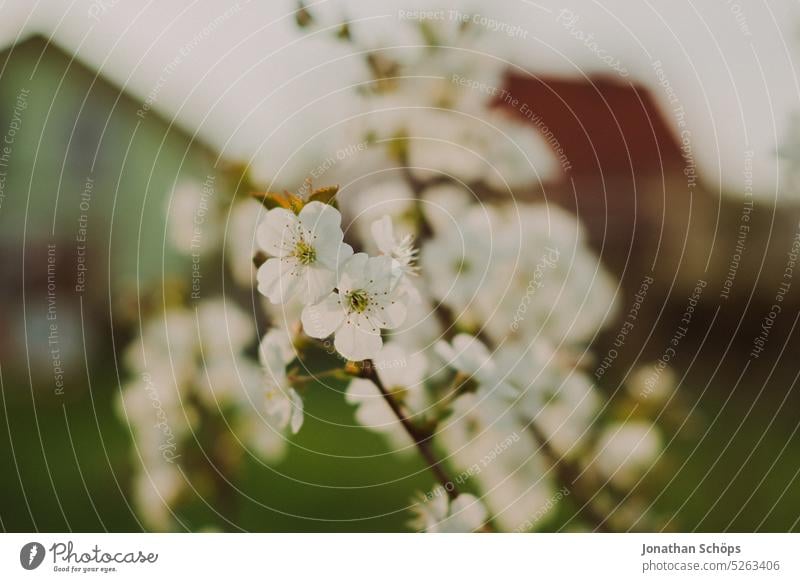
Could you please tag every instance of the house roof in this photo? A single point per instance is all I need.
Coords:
(722, 74)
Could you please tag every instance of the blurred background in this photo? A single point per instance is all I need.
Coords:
(682, 168)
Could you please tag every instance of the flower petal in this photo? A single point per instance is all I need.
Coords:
(278, 279)
(277, 407)
(438, 504)
(356, 342)
(275, 231)
(334, 256)
(360, 391)
(446, 352)
(372, 412)
(275, 350)
(378, 274)
(467, 512)
(377, 415)
(318, 282)
(296, 420)
(397, 367)
(394, 314)
(352, 274)
(383, 233)
(322, 319)
(324, 221)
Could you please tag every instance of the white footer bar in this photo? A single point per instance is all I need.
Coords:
(401, 557)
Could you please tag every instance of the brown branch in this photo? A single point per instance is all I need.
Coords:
(421, 439)
(568, 474)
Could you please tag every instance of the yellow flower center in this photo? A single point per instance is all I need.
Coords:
(358, 300)
(305, 253)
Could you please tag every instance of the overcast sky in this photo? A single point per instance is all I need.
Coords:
(232, 72)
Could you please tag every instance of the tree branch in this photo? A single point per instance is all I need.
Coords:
(569, 475)
(421, 440)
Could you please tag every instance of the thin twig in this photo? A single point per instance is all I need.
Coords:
(568, 474)
(421, 440)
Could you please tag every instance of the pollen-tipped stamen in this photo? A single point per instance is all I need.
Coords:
(358, 300)
(305, 253)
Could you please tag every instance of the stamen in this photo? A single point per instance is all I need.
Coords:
(358, 300)
(305, 253)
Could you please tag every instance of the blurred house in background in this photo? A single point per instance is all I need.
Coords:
(85, 191)
(647, 207)
(84, 188)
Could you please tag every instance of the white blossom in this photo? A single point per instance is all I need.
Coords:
(223, 327)
(227, 381)
(421, 329)
(166, 346)
(484, 434)
(436, 513)
(158, 415)
(653, 382)
(283, 404)
(626, 450)
(401, 251)
(471, 357)
(517, 154)
(307, 252)
(564, 409)
(459, 263)
(155, 490)
(388, 196)
(365, 303)
(403, 255)
(468, 355)
(445, 204)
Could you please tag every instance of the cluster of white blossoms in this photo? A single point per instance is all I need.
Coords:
(428, 94)
(462, 324)
(520, 296)
(350, 296)
(475, 319)
(191, 366)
